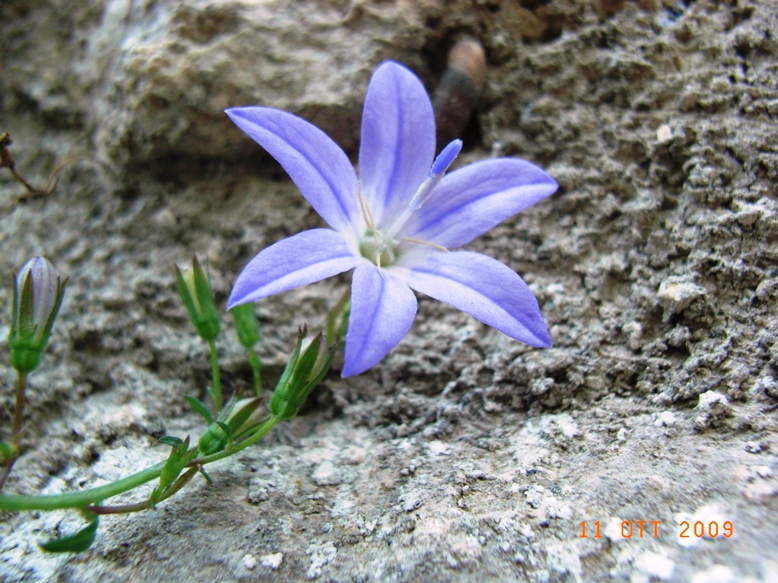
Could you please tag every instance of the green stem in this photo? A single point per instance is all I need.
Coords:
(216, 393)
(94, 495)
(82, 498)
(332, 318)
(256, 367)
(255, 437)
(140, 506)
(21, 387)
(123, 509)
(16, 427)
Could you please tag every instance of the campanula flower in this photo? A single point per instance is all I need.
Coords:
(396, 224)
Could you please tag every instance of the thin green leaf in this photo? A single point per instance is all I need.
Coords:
(173, 442)
(6, 451)
(206, 476)
(200, 408)
(76, 543)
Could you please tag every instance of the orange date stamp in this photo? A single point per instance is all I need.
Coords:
(651, 528)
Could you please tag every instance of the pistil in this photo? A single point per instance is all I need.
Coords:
(380, 246)
(439, 167)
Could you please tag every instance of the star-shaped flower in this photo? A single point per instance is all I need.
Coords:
(396, 224)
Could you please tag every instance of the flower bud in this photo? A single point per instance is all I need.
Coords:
(308, 364)
(246, 324)
(38, 292)
(194, 287)
(243, 416)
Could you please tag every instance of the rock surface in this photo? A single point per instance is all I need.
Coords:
(463, 456)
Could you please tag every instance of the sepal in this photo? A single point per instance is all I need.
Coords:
(307, 365)
(241, 418)
(176, 462)
(194, 287)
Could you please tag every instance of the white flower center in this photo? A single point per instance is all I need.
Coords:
(378, 249)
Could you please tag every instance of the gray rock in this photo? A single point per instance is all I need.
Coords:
(463, 456)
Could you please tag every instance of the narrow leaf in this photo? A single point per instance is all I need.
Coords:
(201, 408)
(173, 442)
(206, 476)
(6, 451)
(76, 543)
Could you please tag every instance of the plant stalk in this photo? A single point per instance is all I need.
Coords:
(217, 383)
(256, 368)
(94, 495)
(332, 318)
(16, 427)
(140, 506)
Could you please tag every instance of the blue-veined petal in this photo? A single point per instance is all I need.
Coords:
(305, 258)
(470, 201)
(316, 164)
(480, 286)
(382, 311)
(398, 141)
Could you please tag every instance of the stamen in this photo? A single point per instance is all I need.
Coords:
(370, 225)
(365, 210)
(420, 242)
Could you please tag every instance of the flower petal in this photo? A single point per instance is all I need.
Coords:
(316, 164)
(470, 201)
(304, 258)
(382, 311)
(398, 140)
(480, 286)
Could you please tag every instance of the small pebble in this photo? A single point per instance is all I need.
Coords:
(716, 574)
(711, 401)
(249, 562)
(666, 419)
(655, 565)
(326, 474)
(273, 561)
(664, 133)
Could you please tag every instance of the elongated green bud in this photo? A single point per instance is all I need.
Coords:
(37, 297)
(243, 416)
(194, 287)
(308, 364)
(246, 324)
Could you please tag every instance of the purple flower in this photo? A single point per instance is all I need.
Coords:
(395, 224)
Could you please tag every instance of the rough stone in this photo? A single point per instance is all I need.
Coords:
(463, 456)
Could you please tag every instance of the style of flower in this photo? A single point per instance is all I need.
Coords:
(396, 224)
